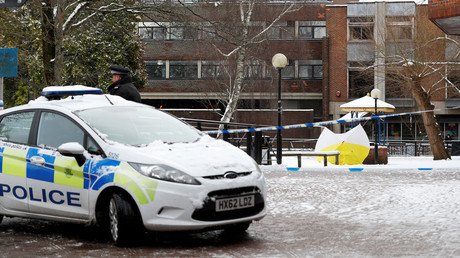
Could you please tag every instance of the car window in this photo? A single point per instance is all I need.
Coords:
(16, 127)
(138, 125)
(54, 130)
(93, 148)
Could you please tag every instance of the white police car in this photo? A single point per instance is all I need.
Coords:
(92, 158)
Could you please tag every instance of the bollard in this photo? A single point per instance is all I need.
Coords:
(249, 143)
(226, 135)
(258, 147)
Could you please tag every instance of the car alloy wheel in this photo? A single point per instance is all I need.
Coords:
(113, 220)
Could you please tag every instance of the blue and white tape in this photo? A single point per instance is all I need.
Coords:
(323, 123)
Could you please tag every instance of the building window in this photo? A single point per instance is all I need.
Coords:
(254, 104)
(183, 69)
(450, 129)
(288, 72)
(156, 69)
(311, 71)
(453, 92)
(399, 28)
(394, 131)
(208, 32)
(179, 31)
(361, 28)
(253, 69)
(395, 85)
(312, 29)
(360, 83)
(211, 69)
(152, 31)
(282, 31)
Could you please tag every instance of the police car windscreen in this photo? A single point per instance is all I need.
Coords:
(137, 126)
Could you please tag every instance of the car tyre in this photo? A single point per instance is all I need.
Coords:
(124, 223)
(1, 219)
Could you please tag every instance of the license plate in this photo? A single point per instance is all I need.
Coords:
(235, 203)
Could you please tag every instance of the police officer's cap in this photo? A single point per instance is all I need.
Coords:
(116, 69)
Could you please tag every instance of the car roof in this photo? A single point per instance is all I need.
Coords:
(74, 98)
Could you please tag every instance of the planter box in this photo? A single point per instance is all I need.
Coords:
(382, 156)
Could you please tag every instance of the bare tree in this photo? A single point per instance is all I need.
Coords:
(234, 33)
(417, 56)
(242, 46)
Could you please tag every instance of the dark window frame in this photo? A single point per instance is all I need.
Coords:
(361, 28)
(161, 31)
(157, 67)
(183, 70)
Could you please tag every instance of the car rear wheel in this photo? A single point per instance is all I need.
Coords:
(124, 223)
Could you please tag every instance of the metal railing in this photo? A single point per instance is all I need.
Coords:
(415, 147)
(256, 144)
(260, 146)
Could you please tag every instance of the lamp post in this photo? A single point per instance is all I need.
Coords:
(375, 94)
(279, 61)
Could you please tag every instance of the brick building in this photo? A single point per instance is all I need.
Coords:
(328, 45)
(185, 72)
(446, 15)
(362, 35)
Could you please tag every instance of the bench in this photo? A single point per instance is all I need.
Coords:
(323, 154)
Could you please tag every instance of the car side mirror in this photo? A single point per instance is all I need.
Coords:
(73, 149)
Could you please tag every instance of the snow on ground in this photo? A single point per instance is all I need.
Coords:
(404, 185)
(424, 163)
(411, 206)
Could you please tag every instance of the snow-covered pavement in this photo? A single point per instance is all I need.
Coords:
(424, 163)
(381, 211)
(410, 207)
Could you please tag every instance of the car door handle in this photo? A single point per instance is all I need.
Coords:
(37, 160)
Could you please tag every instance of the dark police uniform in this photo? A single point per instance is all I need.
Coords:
(123, 87)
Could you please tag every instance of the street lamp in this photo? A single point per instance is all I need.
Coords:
(375, 94)
(279, 61)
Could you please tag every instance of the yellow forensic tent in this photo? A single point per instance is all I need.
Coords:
(352, 145)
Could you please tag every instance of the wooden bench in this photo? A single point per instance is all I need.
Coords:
(323, 154)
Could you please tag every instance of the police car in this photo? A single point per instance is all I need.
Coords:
(77, 155)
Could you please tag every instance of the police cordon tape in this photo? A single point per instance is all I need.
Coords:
(324, 123)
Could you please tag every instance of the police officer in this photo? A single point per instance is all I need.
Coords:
(122, 84)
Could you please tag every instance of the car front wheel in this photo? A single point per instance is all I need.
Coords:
(124, 224)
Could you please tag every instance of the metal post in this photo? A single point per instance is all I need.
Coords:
(1, 88)
(279, 140)
(376, 147)
(226, 135)
(249, 143)
(258, 147)
(352, 115)
(384, 131)
(279, 61)
(1, 94)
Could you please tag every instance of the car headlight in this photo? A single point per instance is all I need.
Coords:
(164, 172)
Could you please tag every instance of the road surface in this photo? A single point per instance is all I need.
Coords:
(322, 213)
